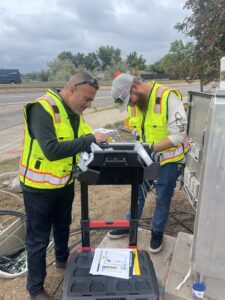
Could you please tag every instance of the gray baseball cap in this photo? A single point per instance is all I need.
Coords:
(120, 90)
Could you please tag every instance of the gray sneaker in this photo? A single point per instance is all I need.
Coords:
(42, 295)
(60, 265)
(117, 233)
(156, 242)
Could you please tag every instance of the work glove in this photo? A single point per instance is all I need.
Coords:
(135, 134)
(155, 156)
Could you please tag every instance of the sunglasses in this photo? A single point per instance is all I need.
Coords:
(93, 82)
(118, 101)
(123, 96)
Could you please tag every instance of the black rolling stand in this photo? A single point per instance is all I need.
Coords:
(120, 166)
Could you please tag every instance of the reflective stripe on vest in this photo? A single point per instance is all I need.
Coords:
(171, 154)
(158, 100)
(43, 177)
(133, 111)
(52, 104)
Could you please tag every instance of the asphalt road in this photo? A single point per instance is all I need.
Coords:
(11, 104)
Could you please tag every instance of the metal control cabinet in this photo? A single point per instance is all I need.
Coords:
(204, 183)
(197, 123)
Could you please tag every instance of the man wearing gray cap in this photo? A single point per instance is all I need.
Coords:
(161, 122)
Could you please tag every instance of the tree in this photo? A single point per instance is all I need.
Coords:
(61, 70)
(65, 55)
(181, 50)
(30, 76)
(178, 63)
(206, 25)
(91, 61)
(157, 67)
(136, 62)
(78, 60)
(43, 75)
(108, 56)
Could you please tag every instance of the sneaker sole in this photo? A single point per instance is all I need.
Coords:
(116, 237)
(156, 250)
(59, 266)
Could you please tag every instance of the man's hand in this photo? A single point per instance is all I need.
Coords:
(100, 137)
(155, 156)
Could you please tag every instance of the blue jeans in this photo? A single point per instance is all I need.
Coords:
(166, 183)
(44, 211)
(143, 189)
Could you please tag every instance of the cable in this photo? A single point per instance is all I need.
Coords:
(58, 285)
(74, 244)
(183, 213)
(19, 215)
(16, 237)
(15, 213)
(181, 223)
(12, 267)
(75, 229)
(145, 222)
(9, 173)
(6, 192)
(76, 233)
(17, 263)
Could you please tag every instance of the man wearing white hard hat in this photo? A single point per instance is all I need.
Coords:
(161, 122)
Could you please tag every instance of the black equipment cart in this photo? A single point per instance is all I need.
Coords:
(118, 164)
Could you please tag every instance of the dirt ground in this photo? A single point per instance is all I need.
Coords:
(105, 202)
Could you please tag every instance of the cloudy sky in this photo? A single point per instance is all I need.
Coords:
(33, 32)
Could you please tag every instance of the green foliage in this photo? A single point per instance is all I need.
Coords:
(91, 61)
(108, 56)
(29, 76)
(181, 50)
(43, 75)
(78, 59)
(106, 60)
(135, 62)
(158, 67)
(206, 25)
(60, 70)
(65, 55)
(66, 63)
(178, 63)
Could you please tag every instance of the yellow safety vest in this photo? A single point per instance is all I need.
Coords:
(35, 169)
(153, 127)
(132, 113)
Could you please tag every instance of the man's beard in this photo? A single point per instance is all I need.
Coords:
(142, 102)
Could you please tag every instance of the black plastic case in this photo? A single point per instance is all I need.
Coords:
(80, 285)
